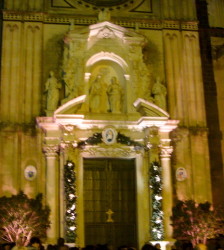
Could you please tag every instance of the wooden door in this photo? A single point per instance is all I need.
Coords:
(110, 202)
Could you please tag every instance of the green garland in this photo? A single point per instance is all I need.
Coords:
(97, 138)
(93, 140)
(70, 199)
(157, 227)
(127, 141)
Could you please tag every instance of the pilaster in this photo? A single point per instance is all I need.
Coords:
(192, 76)
(176, 9)
(167, 191)
(11, 47)
(21, 71)
(52, 192)
(173, 57)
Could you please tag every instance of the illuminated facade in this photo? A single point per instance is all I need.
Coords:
(100, 97)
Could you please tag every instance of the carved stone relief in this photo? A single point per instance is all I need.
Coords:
(106, 63)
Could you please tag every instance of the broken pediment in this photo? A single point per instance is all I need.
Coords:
(146, 108)
(71, 107)
(105, 63)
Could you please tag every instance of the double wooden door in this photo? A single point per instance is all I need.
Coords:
(110, 202)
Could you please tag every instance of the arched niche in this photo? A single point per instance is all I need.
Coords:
(108, 65)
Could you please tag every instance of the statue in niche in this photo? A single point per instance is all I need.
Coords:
(52, 88)
(159, 94)
(115, 93)
(145, 79)
(98, 101)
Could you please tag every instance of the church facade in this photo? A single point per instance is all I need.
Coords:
(113, 111)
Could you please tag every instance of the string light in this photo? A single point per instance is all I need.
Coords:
(70, 200)
(155, 184)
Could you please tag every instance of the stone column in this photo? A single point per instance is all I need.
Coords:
(167, 191)
(52, 195)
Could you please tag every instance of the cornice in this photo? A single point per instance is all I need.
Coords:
(89, 20)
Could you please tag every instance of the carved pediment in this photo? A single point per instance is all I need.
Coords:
(90, 62)
(146, 108)
(72, 106)
(107, 29)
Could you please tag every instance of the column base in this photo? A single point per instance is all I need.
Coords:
(164, 244)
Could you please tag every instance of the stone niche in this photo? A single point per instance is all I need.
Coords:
(104, 63)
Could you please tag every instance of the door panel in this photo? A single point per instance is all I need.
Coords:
(109, 202)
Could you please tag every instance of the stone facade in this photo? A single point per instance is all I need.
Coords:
(73, 69)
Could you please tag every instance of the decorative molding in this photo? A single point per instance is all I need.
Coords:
(153, 137)
(166, 151)
(165, 142)
(30, 172)
(109, 135)
(110, 151)
(189, 25)
(181, 174)
(87, 20)
(69, 147)
(178, 134)
(140, 23)
(69, 128)
(170, 24)
(51, 150)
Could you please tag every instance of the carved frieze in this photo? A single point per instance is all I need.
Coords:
(109, 151)
(88, 20)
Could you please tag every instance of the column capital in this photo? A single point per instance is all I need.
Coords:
(166, 151)
(51, 150)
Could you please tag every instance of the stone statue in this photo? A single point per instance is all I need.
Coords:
(103, 97)
(71, 90)
(98, 101)
(52, 88)
(159, 94)
(114, 92)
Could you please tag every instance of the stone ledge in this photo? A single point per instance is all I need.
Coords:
(88, 20)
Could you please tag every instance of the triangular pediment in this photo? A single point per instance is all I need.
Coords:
(110, 30)
(146, 108)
